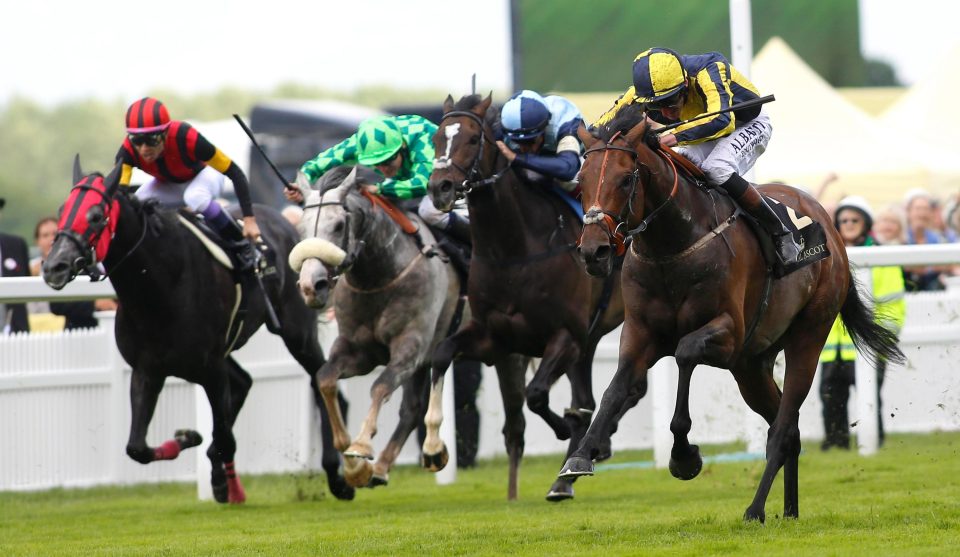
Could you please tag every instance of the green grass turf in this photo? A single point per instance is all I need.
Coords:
(904, 500)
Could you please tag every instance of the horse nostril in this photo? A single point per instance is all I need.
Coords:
(321, 285)
(446, 186)
(602, 252)
(58, 267)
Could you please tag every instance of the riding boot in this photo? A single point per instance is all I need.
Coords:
(753, 203)
(232, 234)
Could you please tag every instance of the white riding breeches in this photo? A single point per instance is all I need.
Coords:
(196, 194)
(439, 219)
(735, 153)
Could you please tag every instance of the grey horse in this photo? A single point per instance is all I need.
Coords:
(393, 304)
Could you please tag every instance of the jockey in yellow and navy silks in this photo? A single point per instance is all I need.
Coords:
(186, 169)
(676, 87)
(541, 135)
(400, 148)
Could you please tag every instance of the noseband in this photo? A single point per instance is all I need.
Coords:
(352, 254)
(613, 222)
(473, 177)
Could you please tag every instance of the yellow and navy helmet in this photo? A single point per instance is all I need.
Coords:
(658, 74)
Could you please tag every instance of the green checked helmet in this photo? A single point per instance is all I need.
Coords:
(378, 139)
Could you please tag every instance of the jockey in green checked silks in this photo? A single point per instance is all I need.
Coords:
(678, 87)
(400, 148)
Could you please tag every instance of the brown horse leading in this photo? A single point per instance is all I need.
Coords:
(695, 287)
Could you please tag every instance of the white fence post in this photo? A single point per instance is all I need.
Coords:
(119, 399)
(868, 424)
(663, 393)
(205, 428)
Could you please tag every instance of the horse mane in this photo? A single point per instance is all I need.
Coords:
(625, 120)
(469, 102)
(335, 176)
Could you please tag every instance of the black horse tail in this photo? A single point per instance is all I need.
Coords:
(872, 339)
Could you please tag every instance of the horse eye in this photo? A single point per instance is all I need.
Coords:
(474, 140)
(627, 182)
(95, 215)
(338, 228)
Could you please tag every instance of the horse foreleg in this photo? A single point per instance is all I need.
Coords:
(636, 356)
(511, 374)
(343, 356)
(144, 390)
(411, 412)
(578, 419)
(783, 439)
(472, 342)
(560, 356)
(713, 344)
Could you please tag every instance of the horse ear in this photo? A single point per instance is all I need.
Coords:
(77, 171)
(112, 181)
(481, 109)
(350, 181)
(448, 104)
(585, 137)
(635, 135)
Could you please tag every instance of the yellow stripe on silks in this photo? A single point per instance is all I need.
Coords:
(664, 70)
(712, 95)
(628, 97)
(220, 161)
(126, 173)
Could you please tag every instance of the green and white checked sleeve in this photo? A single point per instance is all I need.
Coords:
(416, 186)
(342, 153)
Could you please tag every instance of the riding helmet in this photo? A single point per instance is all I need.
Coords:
(148, 115)
(524, 116)
(658, 73)
(378, 139)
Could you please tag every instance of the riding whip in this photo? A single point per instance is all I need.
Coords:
(249, 133)
(745, 104)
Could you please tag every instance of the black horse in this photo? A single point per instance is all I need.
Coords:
(180, 314)
(528, 291)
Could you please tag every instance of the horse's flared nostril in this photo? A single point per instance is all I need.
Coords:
(446, 186)
(602, 252)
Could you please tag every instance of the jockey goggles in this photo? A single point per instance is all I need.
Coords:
(672, 101)
(148, 139)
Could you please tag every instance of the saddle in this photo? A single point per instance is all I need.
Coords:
(221, 249)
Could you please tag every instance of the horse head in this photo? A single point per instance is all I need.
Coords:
(85, 227)
(614, 177)
(331, 229)
(459, 142)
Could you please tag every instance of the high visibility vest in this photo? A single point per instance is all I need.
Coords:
(891, 310)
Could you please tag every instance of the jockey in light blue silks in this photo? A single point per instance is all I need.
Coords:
(540, 135)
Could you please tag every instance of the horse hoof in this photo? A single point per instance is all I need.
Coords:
(358, 473)
(187, 438)
(435, 462)
(340, 489)
(560, 491)
(755, 514)
(688, 466)
(574, 467)
(378, 480)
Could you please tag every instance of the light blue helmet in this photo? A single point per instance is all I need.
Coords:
(524, 116)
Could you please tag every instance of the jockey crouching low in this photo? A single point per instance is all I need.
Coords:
(540, 135)
(187, 170)
(678, 87)
(400, 148)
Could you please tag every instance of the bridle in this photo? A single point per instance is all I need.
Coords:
(613, 222)
(352, 254)
(473, 177)
(86, 243)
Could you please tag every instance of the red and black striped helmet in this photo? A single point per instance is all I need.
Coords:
(148, 115)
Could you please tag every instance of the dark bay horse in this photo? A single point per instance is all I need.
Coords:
(176, 307)
(695, 287)
(528, 291)
(393, 305)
